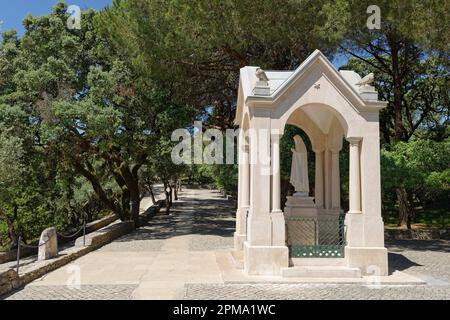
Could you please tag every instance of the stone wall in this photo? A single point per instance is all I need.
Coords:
(11, 255)
(9, 280)
(106, 234)
(151, 212)
(92, 226)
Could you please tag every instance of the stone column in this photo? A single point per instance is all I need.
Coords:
(276, 188)
(335, 181)
(354, 218)
(259, 221)
(239, 156)
(264, 254)
(278, 221)
(355, 176)
(245, 202)
(244, 196)
(365, 230)
(327, 179)
(318, 186)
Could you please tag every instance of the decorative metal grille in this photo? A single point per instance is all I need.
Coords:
(319, 237)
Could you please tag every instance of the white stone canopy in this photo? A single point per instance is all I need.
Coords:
(328, 105)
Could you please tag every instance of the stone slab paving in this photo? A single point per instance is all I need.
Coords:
(313, 291)
(426, 259)
(85, 292)
(176, 257)
(210, 243)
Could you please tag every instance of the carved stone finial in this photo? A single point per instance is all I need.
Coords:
(367, 80)
(366, 90)
(261, 75)
(262, 87)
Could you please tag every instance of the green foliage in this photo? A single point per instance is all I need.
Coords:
(86, 115)
(425, 100)
(196, 48)
(86, 122)
(199, 174)
(421, 167)
(424, 22)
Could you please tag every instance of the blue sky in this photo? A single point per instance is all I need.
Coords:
(13, 12)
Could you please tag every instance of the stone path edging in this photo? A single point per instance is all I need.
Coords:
(92, 226)
(10, 280)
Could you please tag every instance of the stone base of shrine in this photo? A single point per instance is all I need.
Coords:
(265, 260)
(300, 206)
(370, 260)
(321, 272)
(239, 240)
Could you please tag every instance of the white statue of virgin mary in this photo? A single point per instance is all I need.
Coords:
(299, 168)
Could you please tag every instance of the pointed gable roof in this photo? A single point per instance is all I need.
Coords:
(281, 81)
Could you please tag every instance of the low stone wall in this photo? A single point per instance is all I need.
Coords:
(199, 186)
(92, 226)
(150, 212)
(426, 234)
(106, 234)
(10, 280)
(11, 255)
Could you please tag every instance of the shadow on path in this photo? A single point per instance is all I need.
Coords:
(189, 215)
(398, 262)
(419, 245)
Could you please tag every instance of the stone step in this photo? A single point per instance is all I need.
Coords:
(300, 262)
(321, 272)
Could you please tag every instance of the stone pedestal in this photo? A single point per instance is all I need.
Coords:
(265, 260)
(48, 244)
(300, 206)
(262, 88)
(370, 260)
(368, 92)
(241, 228)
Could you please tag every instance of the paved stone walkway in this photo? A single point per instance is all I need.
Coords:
(428, 260)
(85, 292)
(157, 260)
(313, 291)
(177, 257)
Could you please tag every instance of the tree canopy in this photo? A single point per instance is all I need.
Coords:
(86, 114)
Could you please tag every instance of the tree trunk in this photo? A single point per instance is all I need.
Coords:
(150, 189)
(131, 180)
(170, 194)
(403, 207)
(175, 191)
(166, 193)
(125, 202)
(89, 174)
(12, 234)
(397, 86)
(135, 208)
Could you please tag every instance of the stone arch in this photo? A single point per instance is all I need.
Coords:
(284, 119)
(245, 124)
